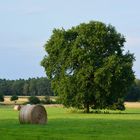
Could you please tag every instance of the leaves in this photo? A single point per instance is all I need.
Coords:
(87, 65)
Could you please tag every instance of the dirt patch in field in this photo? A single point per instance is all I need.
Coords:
(54, 105)
(132, 104)
(21, 100)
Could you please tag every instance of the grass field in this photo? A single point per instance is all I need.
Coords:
(65, 125)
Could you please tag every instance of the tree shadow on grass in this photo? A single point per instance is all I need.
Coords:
(74, 111)
(115, 112)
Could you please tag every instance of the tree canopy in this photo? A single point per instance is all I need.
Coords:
(88, 67)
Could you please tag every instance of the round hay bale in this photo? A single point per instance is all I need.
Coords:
(17, 107)
(33, 114)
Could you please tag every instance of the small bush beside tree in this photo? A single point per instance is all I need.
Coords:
(1, 98)
(47, 100)
(14, 98)
(33, 100)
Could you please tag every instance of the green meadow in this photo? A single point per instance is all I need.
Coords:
(63, 124)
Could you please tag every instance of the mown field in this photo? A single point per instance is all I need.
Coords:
(66, 125)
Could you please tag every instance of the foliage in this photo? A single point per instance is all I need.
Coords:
(32, 86)
(17, 86)
(1, 98)
(88, 67)
(34, 100)
(134, 92)
(14, 98)
(47, 100)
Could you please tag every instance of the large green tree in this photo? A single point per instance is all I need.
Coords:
(88, 67)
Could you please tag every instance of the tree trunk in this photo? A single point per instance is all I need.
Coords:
(86, 108)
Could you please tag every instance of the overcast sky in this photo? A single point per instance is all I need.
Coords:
(25, 26)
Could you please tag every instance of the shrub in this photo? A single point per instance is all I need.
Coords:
(47, 100)
(33, 100)
(14, 98)
(1, 98)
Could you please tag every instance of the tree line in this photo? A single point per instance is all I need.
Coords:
(134, 92)
(29, 87)
(42, 87)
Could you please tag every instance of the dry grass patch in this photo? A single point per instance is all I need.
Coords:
(132, 104)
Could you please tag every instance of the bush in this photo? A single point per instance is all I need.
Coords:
(14, 98)
(58, 101)
(33, 100)
(118, 105)
(46, 100)
(1, 98)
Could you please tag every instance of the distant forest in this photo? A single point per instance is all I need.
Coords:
(42, 87)
(134, 92)
(30, 87)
